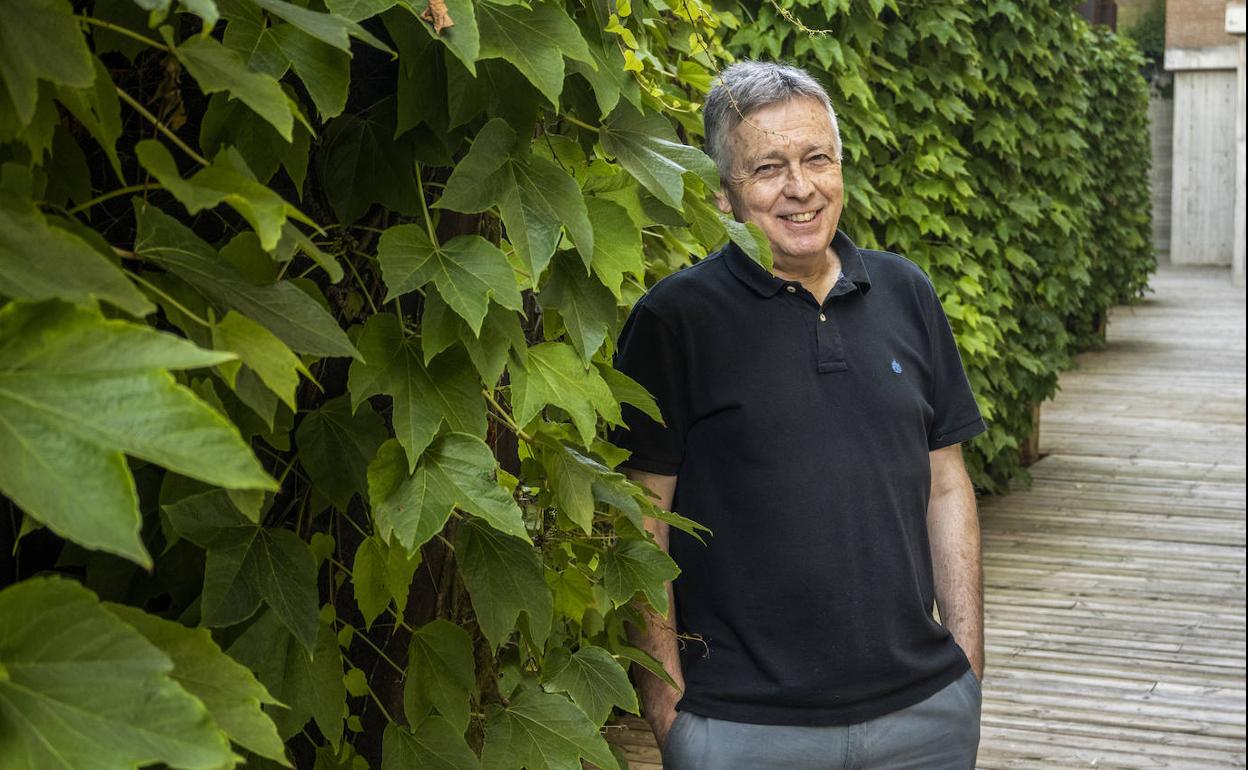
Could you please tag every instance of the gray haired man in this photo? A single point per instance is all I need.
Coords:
(813, 416)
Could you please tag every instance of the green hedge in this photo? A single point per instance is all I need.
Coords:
(1003, 147)
(306, 313)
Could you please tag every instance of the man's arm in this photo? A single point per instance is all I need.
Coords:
(658, 699)
(953, 530)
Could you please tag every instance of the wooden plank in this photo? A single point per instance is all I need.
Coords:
(1115, 584)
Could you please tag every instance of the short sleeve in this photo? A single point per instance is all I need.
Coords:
(648, 352)
(956, 416)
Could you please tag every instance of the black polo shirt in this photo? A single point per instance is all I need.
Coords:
(800, 434)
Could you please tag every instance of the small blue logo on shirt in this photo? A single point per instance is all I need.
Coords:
(896, 367)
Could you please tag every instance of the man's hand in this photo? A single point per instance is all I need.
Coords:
(661, 731)
(953, 532)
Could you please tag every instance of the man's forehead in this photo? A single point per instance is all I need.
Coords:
(784, 124)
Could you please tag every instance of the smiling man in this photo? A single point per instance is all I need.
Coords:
(813, 416)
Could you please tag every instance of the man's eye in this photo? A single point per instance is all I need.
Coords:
(766, 168)
(820, 158)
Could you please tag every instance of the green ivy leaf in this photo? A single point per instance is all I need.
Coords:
(382, 573)
(463, 39)
(586, 307)
(434, 743)
(358, 10)
(607, 76)
(592, 678)
(751, 239)
(648, 662)
(81, 690)
(249, 33)
(356, 682)
(335, 30)
(362, 163)
(209, 519)
(534, 39)
(69, 178)
(574, 594)
(227, 180)
(294, 239)
(467, 270)
(456, 471)
(77, 394)
(122, 13)
(446, 392)
(504, 578)
(626, 390)
(40, 262)
(311, 687)
(273, 565)
(282, 308)
(534, 196)
(158, 10)
(229, 122)
(441, 673)
(229, 691)
(638, 565)
(98, 109)
(647, 148)
(217, 68)
(571, 476)
(441, 327)
(324, 69)
(617, 244)
(554, 374)
(40, 40)
(265, 354)
(542, 731)
(336, 445)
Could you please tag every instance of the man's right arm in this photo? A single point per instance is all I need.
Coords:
(658, 638)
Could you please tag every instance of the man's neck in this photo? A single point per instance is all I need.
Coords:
(814, 272)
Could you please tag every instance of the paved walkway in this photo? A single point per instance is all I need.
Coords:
(1115, 583)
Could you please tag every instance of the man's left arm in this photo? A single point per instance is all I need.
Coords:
(953, 531)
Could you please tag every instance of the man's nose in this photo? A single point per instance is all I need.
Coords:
(797, 185)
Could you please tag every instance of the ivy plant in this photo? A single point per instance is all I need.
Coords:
(307, 311)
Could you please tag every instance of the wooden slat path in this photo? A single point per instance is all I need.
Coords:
(1114, 594)
(1115, 583)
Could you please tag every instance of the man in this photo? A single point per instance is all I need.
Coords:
(813, 416)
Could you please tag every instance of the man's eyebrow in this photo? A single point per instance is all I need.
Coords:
(777, 154)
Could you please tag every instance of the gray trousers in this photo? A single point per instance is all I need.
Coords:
(939, 733)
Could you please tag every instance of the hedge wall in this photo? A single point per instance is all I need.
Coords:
(306, 313)
(1003, 146)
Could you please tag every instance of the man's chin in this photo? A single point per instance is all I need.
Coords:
(804, 249)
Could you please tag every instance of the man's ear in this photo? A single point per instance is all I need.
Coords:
(722, 201)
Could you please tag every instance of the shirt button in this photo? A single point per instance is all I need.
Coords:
(822, 317)
(790, 289)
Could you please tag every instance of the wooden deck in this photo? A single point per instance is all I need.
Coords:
(1114, 595)
(1115, 583)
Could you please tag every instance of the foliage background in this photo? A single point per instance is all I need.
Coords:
(306, 338)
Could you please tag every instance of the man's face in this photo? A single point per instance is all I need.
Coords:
(785, 177)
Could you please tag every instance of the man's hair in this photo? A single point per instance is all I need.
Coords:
(747, 86)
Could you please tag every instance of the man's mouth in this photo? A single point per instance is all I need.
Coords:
(804, 216)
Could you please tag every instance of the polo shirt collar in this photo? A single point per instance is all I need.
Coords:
(767, 284)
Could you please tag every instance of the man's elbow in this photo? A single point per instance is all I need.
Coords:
(662, 488)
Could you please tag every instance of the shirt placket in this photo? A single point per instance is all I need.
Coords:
(829, 349)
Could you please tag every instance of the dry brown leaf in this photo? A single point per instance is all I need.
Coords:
(437, 15)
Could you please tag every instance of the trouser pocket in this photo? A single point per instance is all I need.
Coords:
(677, 752)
